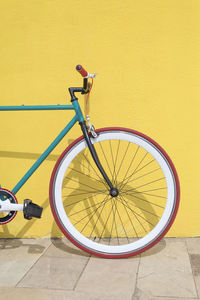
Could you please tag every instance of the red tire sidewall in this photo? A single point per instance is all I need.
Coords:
(128, 254)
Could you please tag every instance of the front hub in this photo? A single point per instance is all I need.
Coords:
(114, 192)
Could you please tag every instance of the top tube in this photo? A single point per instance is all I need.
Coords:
(37, 107)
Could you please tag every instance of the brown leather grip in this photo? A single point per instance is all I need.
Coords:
(81, 70)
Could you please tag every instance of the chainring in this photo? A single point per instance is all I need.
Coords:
(6, 217)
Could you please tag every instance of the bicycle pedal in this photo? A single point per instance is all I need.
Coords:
(31, 210)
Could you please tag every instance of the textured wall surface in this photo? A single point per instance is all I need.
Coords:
(147, 56)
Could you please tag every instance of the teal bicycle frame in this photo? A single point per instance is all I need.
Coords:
(30, 209)
(77, 118)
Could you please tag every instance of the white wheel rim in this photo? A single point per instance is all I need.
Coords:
(136, 245)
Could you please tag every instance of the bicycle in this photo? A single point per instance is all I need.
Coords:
(114, 192)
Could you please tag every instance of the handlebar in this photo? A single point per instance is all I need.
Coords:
(86, 87)
(84, 73)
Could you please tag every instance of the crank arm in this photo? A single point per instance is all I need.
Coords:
(7, 206)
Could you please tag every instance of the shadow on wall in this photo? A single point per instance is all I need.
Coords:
(25, 155)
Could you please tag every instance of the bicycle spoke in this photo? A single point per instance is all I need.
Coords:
(79, 182)
(130, 220)
(133, 196)
(87, 191)
(132, 174)
(105, 158)
(112, 161)
(141, 162)
(156, 180)
(94, 169)
(74, 195)
(84, 209)
(163, 188)
(112, 222)
(79, 200)
(115, 203)
(122, 225)
(130, 203)
(135, 215)
(145, 166)
(144, 174)
(135, 171)
(115, 179)
(97, 219)
(105, 223)
(124, 178)
(123, 158)
(140, 215)
(91, 213)
(158, 196)
(85, 174)
(103, 203)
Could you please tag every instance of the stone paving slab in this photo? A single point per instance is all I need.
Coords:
(109, 277)
(18, 256)
(64, 248)
(166, 298)
(55, 272)
(144, 296)
(43, 294)
(167, 273)
(193, 246)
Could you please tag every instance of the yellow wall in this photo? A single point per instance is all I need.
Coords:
(147, 55)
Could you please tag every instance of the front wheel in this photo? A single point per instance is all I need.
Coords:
(130, 222)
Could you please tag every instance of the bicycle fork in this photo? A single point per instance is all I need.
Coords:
(113, 191)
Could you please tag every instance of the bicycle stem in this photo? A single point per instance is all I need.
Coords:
(82, 90)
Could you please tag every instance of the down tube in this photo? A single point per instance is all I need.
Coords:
(44, 155)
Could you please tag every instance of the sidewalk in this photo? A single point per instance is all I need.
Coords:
(54, 269)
